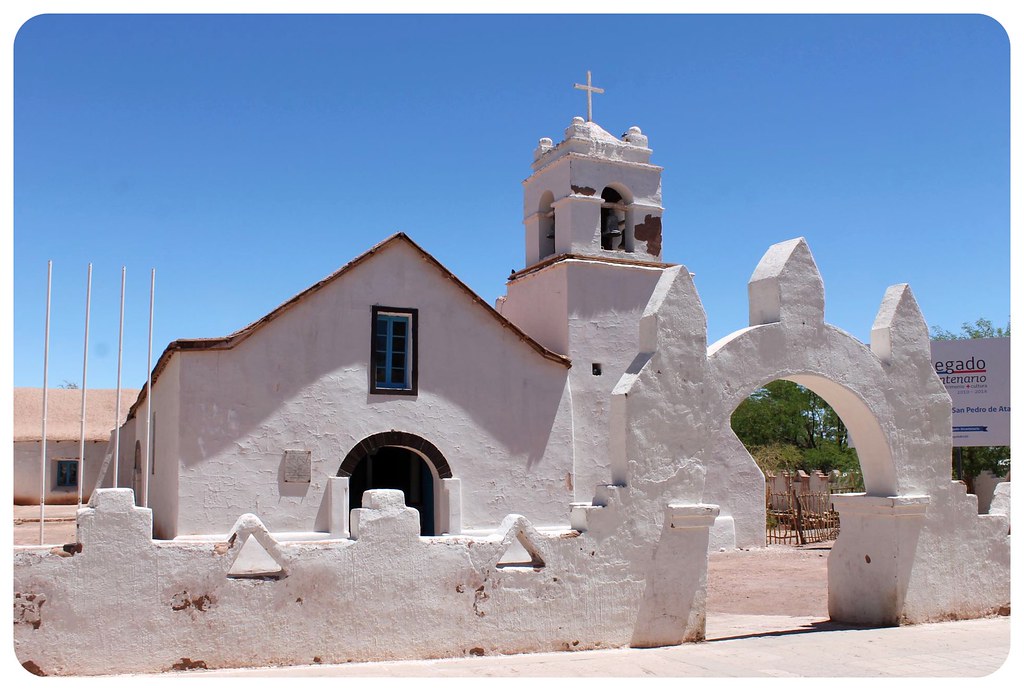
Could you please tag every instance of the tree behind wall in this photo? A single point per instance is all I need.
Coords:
(975, 459)
(787, 427)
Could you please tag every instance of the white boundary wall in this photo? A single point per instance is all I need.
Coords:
(120, 602)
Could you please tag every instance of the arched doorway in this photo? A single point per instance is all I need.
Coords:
(393, 467)
(807, 455)
(402, 461)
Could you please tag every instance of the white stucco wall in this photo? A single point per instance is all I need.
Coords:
(605, 305)
(389, 594)
(165, 457)
(602, 304)
(1000, 505)
(126, 476)
(984, 488)
(538, 303)
(494, 407)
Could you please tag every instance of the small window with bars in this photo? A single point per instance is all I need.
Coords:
(67, 473)
(393, 351)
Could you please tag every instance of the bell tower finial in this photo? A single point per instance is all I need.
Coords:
(590, 91)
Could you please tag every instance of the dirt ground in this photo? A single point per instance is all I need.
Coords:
(60, 525)
(779, 579)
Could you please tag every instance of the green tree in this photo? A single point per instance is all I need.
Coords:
(970, 461)
(771, 415)
(788, 427)
(981, 328)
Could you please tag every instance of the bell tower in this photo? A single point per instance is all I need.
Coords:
(592, 212)
(593, 194)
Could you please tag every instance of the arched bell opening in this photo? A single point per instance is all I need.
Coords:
(616, 229)
(546, 225)
(613, 220)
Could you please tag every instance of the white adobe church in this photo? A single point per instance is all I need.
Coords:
(391, 373)
(386, 441)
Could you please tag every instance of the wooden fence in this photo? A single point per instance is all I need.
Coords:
(800, 518)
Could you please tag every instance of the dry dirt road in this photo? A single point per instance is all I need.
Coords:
(778, 579)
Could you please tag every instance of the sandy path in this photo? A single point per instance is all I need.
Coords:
(778, 579)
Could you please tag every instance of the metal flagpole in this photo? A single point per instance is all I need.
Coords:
(117, 406)
(85, 370)
(46, 365)
(149, 393)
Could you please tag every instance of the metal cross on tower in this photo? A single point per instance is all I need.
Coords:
(590, 91)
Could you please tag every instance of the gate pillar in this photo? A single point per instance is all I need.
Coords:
(869, 565)
(673, 609)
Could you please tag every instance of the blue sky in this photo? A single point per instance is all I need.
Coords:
(247, 157)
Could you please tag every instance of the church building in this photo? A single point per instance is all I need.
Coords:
(392, 373)
(565, 459)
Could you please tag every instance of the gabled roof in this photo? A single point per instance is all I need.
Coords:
(230, 341)
(64, 413)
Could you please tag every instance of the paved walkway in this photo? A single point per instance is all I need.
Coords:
(737, 646)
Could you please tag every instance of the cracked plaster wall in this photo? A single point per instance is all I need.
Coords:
(165, 605)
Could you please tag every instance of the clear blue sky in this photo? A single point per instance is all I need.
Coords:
(247, 157)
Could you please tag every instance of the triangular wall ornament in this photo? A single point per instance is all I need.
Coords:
(255, 553)
(518, 548)
(253, 561)
(520, 554)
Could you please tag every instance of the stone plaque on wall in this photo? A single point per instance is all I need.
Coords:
(297, 465)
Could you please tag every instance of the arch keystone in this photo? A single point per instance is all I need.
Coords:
(900, 329)
(786, 286)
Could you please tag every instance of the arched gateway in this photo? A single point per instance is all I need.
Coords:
(671, 431)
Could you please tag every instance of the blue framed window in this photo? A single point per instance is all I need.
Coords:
(393, 354)
(67, 473)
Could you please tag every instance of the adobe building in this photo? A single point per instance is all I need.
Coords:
(64, 471)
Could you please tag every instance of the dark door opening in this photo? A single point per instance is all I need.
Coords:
(392, 467)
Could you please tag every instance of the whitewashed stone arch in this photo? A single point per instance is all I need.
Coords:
(826, 360)
(908, 547)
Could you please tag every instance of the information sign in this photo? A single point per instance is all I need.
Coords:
(976, 373)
